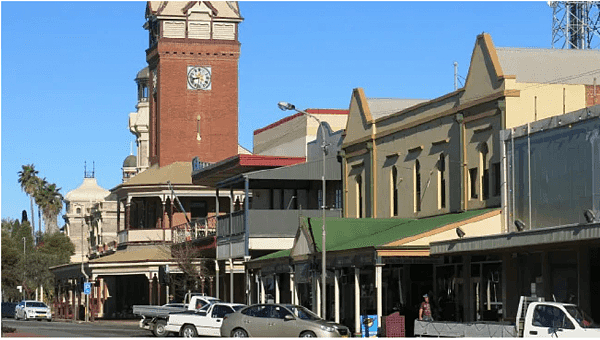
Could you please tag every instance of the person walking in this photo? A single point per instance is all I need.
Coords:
(425, 309)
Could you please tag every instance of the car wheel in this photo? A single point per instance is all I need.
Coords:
(189, 331)
(239, 333)
(308, 334)
(159, 329)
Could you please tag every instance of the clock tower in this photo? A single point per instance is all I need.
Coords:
(193, 58)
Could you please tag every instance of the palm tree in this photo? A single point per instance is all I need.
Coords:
(54, 203)
(28, 180)
(41, 200)
(49, 200)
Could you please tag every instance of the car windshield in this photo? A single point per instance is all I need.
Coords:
(303, 313)
(582, 319)
(238, 307)
(36, 304)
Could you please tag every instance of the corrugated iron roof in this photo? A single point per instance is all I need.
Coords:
(550, 66)
(355, 233)
(381, 107)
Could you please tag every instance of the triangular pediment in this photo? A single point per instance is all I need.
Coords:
(360, 120)
(204, 7)
(485, 74)
(304, 243)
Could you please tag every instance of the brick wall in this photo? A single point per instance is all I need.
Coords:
(589, 95)
(175, 119)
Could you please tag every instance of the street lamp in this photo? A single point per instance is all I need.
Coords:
(288, 106)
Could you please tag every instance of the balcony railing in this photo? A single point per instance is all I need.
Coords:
(198, 228)
(269, 222)
(144, 235)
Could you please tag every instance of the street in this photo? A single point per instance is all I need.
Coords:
(64, 329)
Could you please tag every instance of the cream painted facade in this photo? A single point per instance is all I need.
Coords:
(442, 156)
(290, 136)
(91, 219)
(139, 121)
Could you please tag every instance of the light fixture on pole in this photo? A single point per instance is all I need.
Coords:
(288, 106)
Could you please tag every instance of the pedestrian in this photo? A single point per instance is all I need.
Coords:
(425, 309)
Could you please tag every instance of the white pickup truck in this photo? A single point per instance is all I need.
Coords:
(535, 318)
(205, 321)
(154, 318)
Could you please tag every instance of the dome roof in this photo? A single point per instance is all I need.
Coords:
(88, 191)
(130, 161)
(143, 74)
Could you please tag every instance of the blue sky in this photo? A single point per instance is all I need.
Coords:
(68, 70)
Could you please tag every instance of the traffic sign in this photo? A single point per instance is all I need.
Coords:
(87, 288)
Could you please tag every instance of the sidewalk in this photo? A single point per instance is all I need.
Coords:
(128, 322)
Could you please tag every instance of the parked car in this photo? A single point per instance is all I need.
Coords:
(8, 309)
(154, 318)
(206, 321)
(279, 320)
(30, 309)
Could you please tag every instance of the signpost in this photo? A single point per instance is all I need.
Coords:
(87, 288)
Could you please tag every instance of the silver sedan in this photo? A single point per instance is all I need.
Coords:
(279, 320)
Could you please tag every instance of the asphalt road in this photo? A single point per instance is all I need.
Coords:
(64, 329)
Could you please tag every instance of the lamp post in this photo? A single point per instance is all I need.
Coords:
(288, 106)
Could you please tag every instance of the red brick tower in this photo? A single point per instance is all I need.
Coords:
(193, 59)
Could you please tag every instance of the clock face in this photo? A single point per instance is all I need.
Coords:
(199, 78)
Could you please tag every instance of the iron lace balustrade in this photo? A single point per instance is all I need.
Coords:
(198, 228)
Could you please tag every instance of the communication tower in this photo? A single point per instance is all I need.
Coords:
(575, 24)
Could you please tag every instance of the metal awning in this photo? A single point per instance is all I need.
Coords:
(541, 237)
(296, 176)
(239, 164)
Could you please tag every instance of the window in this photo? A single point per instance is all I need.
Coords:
(220, 311)
(496, 169)
(417, 186)
(442, 182)
(551, 317)
(359, 198)
(338, 198)
(394, 193)
(485, 183)
(473, 182)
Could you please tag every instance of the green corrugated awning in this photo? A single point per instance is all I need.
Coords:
(355, 233)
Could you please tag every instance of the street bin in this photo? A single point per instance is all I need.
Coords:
(395, 326)
(369, 326)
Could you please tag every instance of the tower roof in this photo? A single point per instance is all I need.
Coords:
(88, 191)
(143, 74)
(130, 161)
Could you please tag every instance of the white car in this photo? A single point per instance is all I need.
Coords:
(30, 309)
(204, 321)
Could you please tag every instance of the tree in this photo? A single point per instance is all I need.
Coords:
(49, 200)
(191, 261)
(29, 266)
(29, 184)
(16, 242)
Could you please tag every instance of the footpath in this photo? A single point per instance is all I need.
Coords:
(11, 332)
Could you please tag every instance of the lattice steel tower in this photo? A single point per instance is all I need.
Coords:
(575, 24)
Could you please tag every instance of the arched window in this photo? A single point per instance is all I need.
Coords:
(359, 198)
(78, 210)
(417, 186)
(442, 181)
(394, 193)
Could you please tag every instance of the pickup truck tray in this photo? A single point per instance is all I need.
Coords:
(465, 329)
